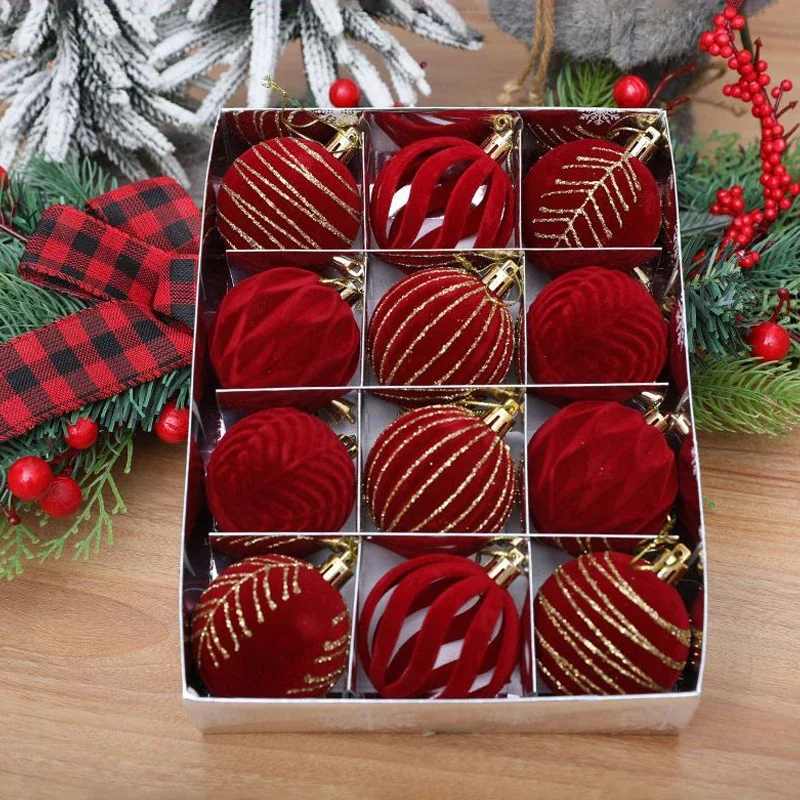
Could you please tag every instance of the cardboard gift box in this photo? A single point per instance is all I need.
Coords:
(353, 704)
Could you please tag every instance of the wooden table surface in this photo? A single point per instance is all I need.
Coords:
(90, 685)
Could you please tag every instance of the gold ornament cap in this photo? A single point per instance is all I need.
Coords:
(501, 418)
(501, 142)
(507, 564)
(649, 403)
(345, 142)
(350, 289)
(338, 569)
(644, 144)
(669, 563)
(501, 276)
(350, 443)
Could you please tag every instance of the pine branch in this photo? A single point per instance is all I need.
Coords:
(17, 545)
(585, 84)
(746, 396)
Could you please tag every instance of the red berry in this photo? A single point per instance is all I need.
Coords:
(29, 478)
(3, 178)
(344, 93)
(738, 22)
(787, 85)
(63, 498)
(631, 91)
(719, 20)
(173, 424)
(706, 40)
(81, 434)
(769, 341)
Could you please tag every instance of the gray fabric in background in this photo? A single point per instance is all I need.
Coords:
(632, 33)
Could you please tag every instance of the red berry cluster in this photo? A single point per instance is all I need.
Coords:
(779, 190)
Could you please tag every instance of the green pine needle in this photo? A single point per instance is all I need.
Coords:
(584, 84)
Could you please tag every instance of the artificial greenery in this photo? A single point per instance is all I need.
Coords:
(584, 84)
(24, 307)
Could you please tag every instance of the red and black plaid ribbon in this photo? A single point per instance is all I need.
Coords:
(135, 253)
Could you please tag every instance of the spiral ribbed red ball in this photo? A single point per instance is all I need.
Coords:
(603, 626)
(599, 468)
(590, 193)
(283, 328)
(444, 585)
(288, 194)
(425, 168)
(440, 469)
(270, 626)
(594, 325)
(440, 326)
(280, 470)
(689, 495)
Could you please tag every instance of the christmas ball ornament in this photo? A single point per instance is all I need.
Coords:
(697, 617)
(594, 325)
(286, 327)
(677, 349)
(290, 193)
(444, 326)
(442, 469)
(280, 470)
(63, 498)
(251, 126)
(600, 468)
(246, 546)
(344, 93)
(172, 425)
(592, 193)
(606, 623)
(442, 586)
(448, 190)
(411, 126)
(270, 626)
(81, 434)
(410, 546)
(769, 341)
(631, 91)
(689, 496)
(29, 478)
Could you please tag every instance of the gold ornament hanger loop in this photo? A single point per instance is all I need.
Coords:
(350, 289)
(503, 273)
(508, 559)
(338, 569)
(501, 141)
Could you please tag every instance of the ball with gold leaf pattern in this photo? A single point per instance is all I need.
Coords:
(270, 626)
(607, 623)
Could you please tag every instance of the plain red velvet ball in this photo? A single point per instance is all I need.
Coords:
(246, 546)
(280, 470)
(440, 326)
(590, 193)
(605, 627)
(442, 585)
(29, 477)
(599, 468)
(427, 169)
(594, 325)
(689, 496)
(440, 469)
(288, 194)
(63, 498)
(270, 626)
(283, 328)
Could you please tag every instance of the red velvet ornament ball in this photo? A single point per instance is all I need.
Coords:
(246, 546)
(439, 212)
(410, 546)
(594, 325)
(769, 341)
(599, 468)
(284, 328)
(63, 498)
(252, 126)
(172, 425)
(689, 496)
(270, 626)
(604, 626)
(442, 585)
(631, 91)
(410, 126)
(589, 193)
(696, 615)
(29, 478)
(81, 434)
(441, 326)
(677, 349)
(344, 93)
(580, 545)
(440, 469)
(280, 470)
(288, 194)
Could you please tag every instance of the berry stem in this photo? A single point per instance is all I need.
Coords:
(11, 231)
(667, 78)
(11, 515)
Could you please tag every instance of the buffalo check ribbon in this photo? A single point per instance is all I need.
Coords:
(134, 254)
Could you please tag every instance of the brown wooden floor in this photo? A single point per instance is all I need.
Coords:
(89, 677)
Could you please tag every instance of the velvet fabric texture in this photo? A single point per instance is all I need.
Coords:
(410, 546)
(270, 626)
(688, 497)
(590, 193)
(288, 194)
(603, 626)
(250, 126)
(280, 470)
(599, 468)
(246, 546)
(440, 326)
(409, 127)
(427, 168)
(595, 325)
(439, 469)
(442, 585)
(580, 545)
(283, 328)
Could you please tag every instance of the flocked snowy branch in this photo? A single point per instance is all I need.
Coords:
(329, 32)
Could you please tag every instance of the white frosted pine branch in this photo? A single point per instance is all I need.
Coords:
(98, 19)
(64, 107)
(265, 19)
(200, 10)
(317, 57)
(225, 86)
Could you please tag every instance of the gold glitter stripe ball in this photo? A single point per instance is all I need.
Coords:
(440, 469)
(288, 193)
(603, 626)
